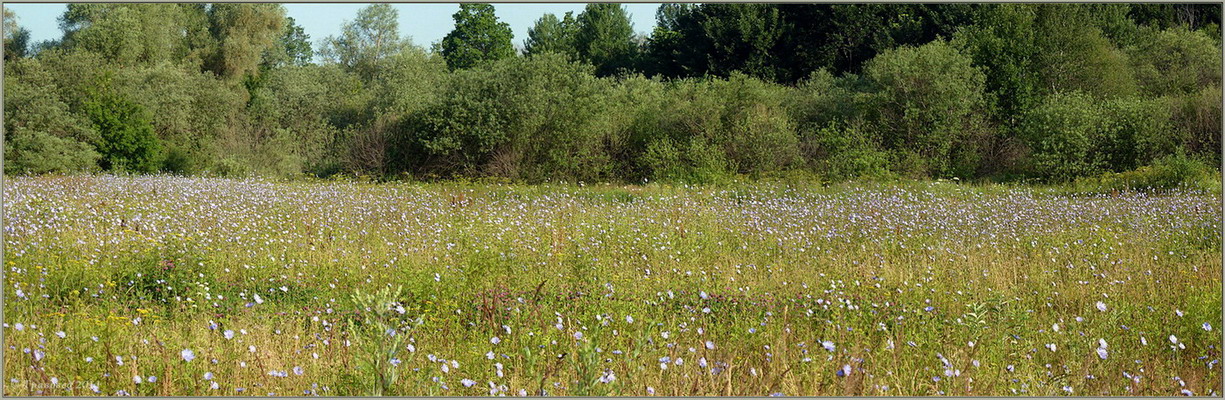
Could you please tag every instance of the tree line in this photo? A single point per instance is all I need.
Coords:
(1052, 92)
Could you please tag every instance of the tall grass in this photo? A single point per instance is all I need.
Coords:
(746, 289)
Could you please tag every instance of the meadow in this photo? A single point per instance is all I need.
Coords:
(165, 285)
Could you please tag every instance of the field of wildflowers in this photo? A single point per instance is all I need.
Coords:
(197, 286)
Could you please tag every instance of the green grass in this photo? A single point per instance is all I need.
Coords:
(783, 268)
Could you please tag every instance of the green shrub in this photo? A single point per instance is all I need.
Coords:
(1074, 54)
(126, 140)
(823, 99)
(1136, 131)
(1175, 171)
(737, 125)
(42, 134)
(191, 111)
(1176, 61)
(695, 162)
(1198, 118)
(34, 152)
(1062, 135)
(524, 118)
(1073, 135)
(752, 124)
(177, 162)
(231, 167)
(928, 102)
(846, 152)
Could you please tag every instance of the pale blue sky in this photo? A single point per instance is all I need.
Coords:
(425, 23)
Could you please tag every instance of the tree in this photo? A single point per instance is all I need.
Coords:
(1003, 42)
(1074, 54)
(1061, 133)
(128, 34)
(665, 48)
(16, 38)
(367, 41)
(245, 32)
(842, 37)
(195, 112)
(198, 36)
(1176, 61)
(744, 38)
(126, 140)
(292, 48)
(516, 118)
(605, 38)
(41, 133)
(1165, 16)
(929, 99)
(478, 37)
(40, 152)
(787, 42)
(550, 35)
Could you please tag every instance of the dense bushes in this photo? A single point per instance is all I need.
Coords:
(1073, 135)
(1175, 171)
(38, 152)
(125, 132)
(738, 125)
(929, 108)
(1016, 91)
(519, 118)
(1176, 61)
(545, 117)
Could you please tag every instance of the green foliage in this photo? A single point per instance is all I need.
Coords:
(850, 35)
(738, 125)
(194, 111)
(366, 41)
(478, 37)
(244, 32)
(1136, 131)
(744, 38)
(1074, 135)
(1176, 61)
(1003, 44)
(1054, 91)
(822, 99)
(846, 152)
(305, 112)
(126, 140)
(929, 103)
(1062, 133)
(1197, 116)
(1175, 171)
(758, 135)
(697, 162)
(1165, 16)
(231, 167)
(516, 112)
(127, 34)
(292, 48)
(16, 38)
(34, 100)
(664, 53)
(551, 35)
(35, 152)
(787, 42)
(1075, 55)
(605, 38)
